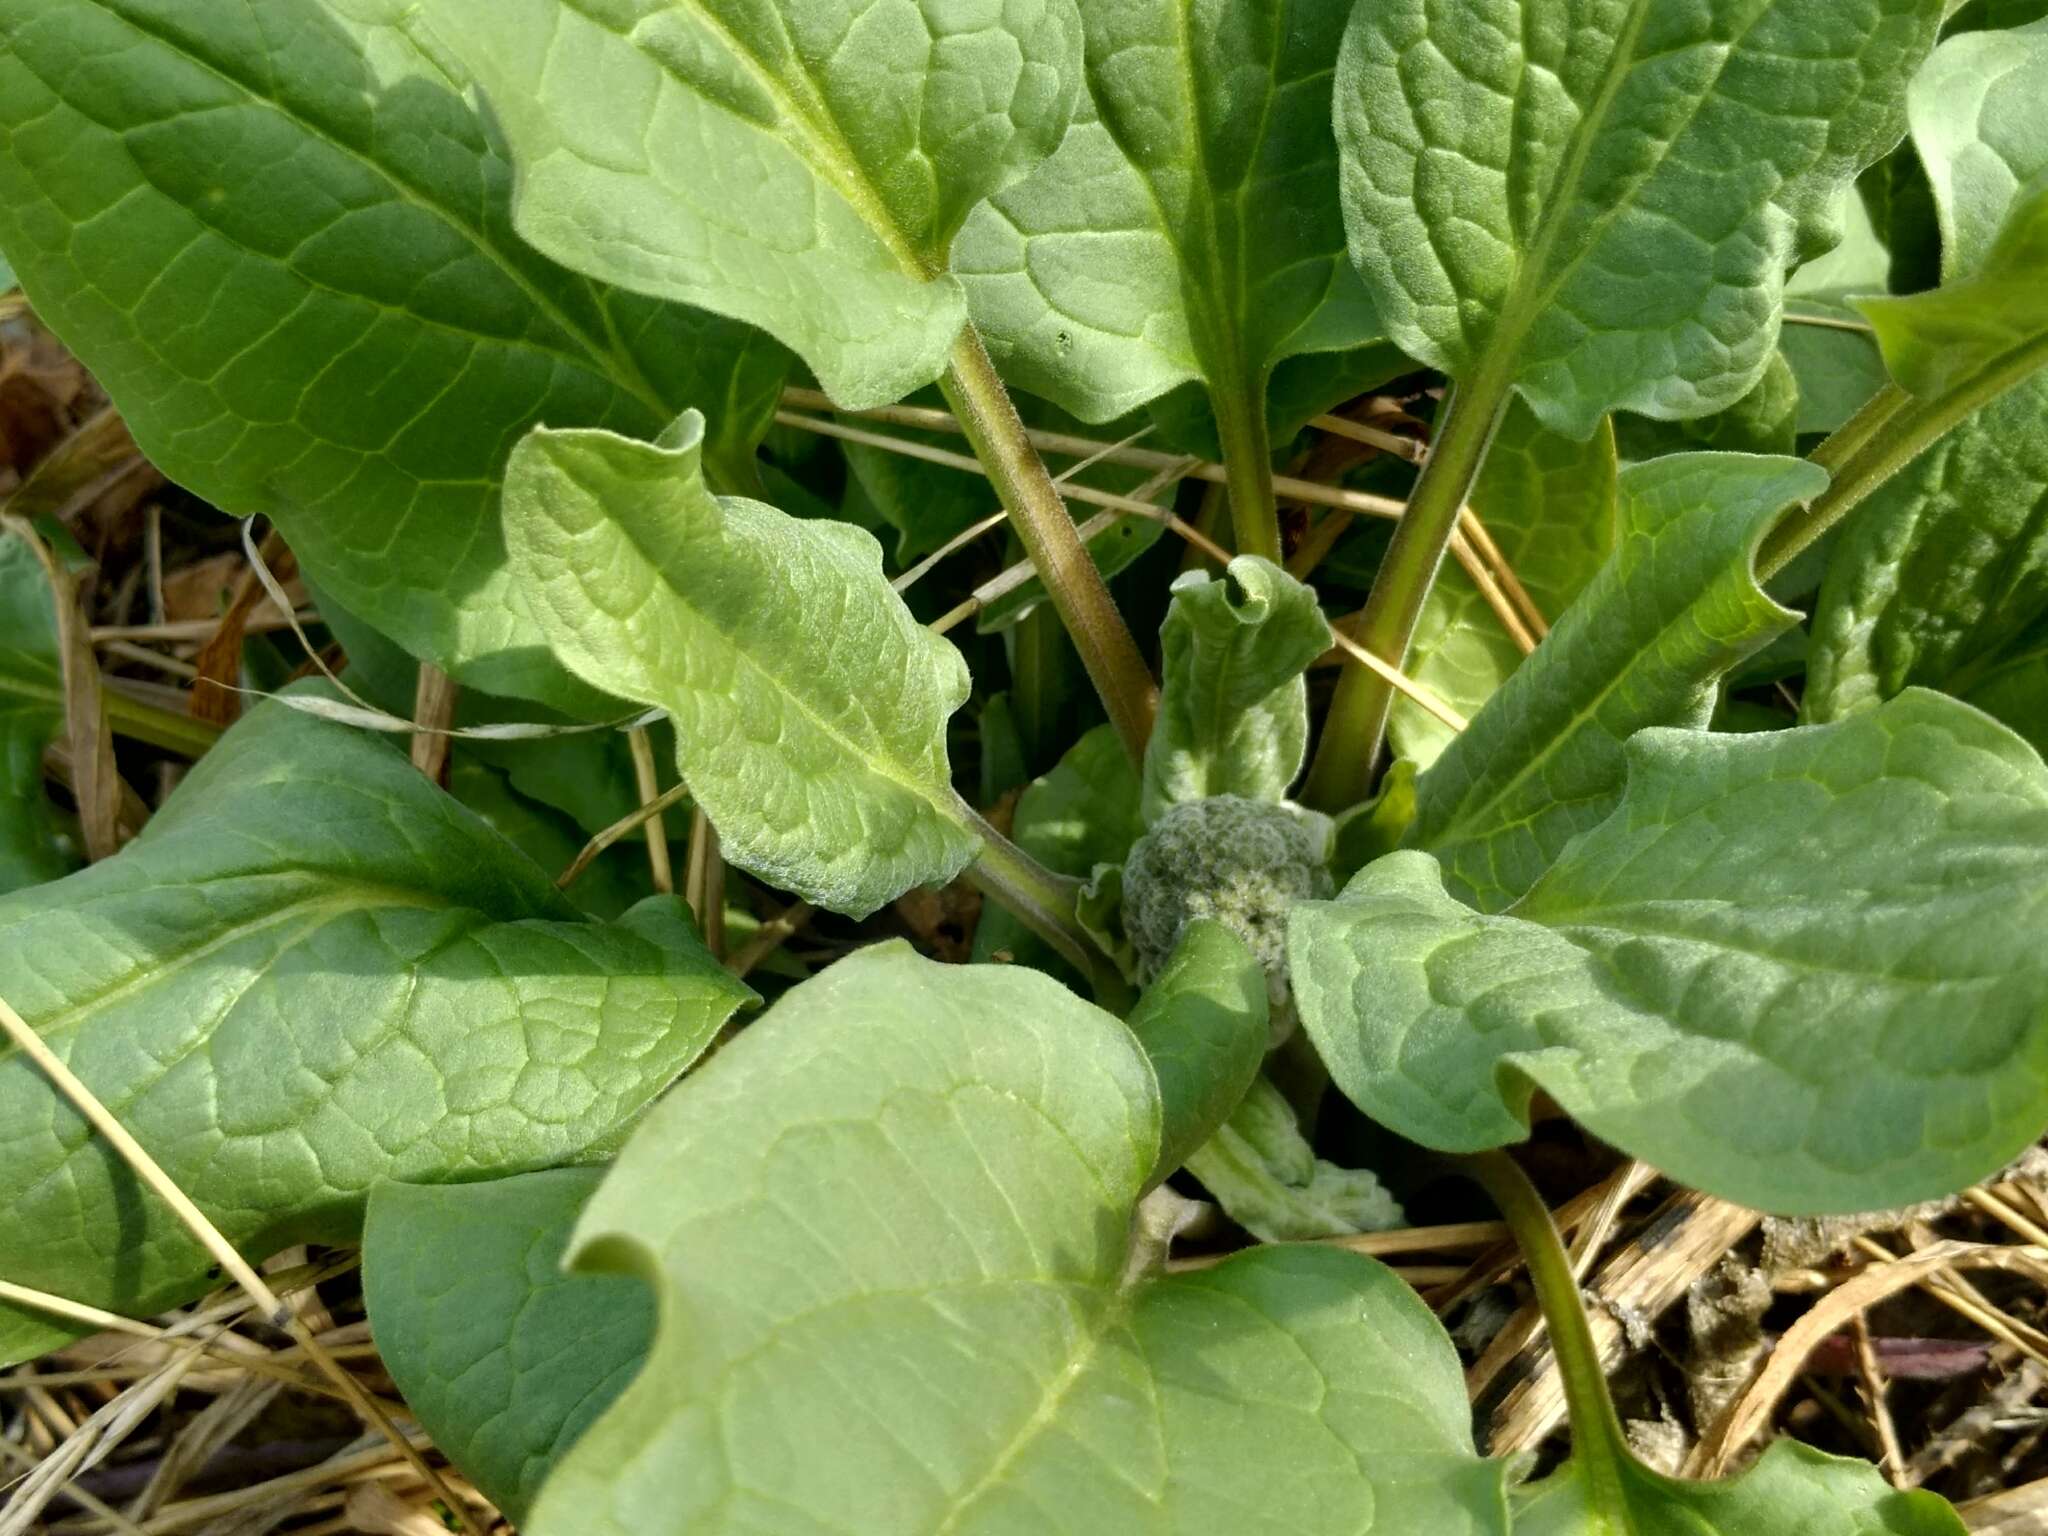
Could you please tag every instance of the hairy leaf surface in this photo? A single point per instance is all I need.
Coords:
(313, 971)
(31, 717)
(809, 706)
(1646, 643)
(1233, 709)
(504, 1358)
(289, 258)
(1268, 1179)
(1946, 567)
(1800, 970)
(1202, 1023)
(1548, 502)
(892, 1251)
(1188, 232)
(1597, 201)
(803, 166)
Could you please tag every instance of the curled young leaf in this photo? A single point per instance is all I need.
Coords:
(312, 972)
(288, 255)
(1799, 969)
(1233, 710)
(802, 166)
(809, 707)
(890, 1232)
(1597, 202)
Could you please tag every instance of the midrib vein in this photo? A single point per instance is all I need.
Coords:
(623, 371)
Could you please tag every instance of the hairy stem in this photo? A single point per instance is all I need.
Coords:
(1882, 448)
(1248, 462)
(1042, 522)
(1044, 903)
(1357, 723)
(1599, 1448)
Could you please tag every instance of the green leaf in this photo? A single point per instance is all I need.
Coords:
(1646, 643)
(313, 971)
(1186, 233)
(1833, 357)
(1946, 566)
(1597, 203)
(1233, 711)
(2014, 688)
(32, 849)
(809, 706)
(1262, 1171)
(289, 258)
(1548, 502)
(1798, 970)
(890, 1232)
(1763, 421)
(618, 878)
(1981, 134)
(803, 166)
(1081, 814)
(1202, 1023)
(1943, 568)
(1990, 320)
(1792, 1490)
(504, 1358)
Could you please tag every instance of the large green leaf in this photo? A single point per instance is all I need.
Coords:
(504, 1358)
(289, 257)
(313, 971)
(1189, 232)
(890, 1233)
(1548, 502)
(1597, 201)
(1946, 566)
(809, 706)
(31, 717)
(1081, 814)
(1233, 711)
(1801, 969)
(2014, 687)
(803, 166)
(1646, 643)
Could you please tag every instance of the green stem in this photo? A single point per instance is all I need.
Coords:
(1357, 723)
(161, 728)
(1044, 903)
(1599, 1448)
(1040, 517)
(1886, 446)
(1853, 435)
(1248, 463)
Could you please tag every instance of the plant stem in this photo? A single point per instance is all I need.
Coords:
(158, 727)
(1040, 517)
(1044, 903)
(1248, 462)
(1599, 1449)
(1883, 447)
(1845, 441)
(1357, 723)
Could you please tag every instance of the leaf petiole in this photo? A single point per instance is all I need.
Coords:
(1044, 903)
(1248, 462)
(983, 406)
(1357, 723)
(1600, 1450)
